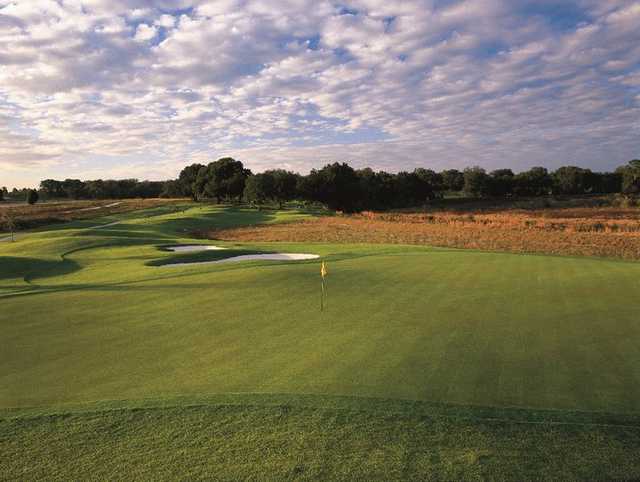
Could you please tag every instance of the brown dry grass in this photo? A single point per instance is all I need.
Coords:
(29, 216)
(606, 232)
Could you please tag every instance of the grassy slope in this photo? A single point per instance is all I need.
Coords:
(283, 437)
(403, 323)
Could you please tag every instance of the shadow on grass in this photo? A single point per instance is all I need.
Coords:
(202, 256)
(31, 268)
(120, 233)
(221, 218)
(139, 285)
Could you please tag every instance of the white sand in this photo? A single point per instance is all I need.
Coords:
(7, 239)
(104, 225)
(190, 248)
(271, 257)
(100, 207)
(94, 208)
(250, 257)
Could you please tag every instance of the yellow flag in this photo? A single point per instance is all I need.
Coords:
(323, 270)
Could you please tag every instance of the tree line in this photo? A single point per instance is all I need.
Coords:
(341, 187)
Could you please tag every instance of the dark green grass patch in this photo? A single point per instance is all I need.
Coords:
(23, 267)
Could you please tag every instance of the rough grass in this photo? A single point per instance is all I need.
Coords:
(255, 437)
(27, 216)
(85, 320)
(605, 232)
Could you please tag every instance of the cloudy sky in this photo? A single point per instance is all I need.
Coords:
(139, 88)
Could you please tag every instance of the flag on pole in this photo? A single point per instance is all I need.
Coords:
(323, 274)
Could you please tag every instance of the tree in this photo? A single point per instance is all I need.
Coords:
(501, 182)
(96, 189)
(111, 189)
(128, 188)
(74, 188)
(172, 189)
(376, 191)
(452, 180)
(222, 179)
(336, 185)
(310, 187)
(259, 188)
(9, 223)
(572, 180)
(630, 177)
(534, 182)
(202, 178)
(147, 189)
(284, 185)
(187, 180)
(432, 178)
(387, 190)
(412, 188)
(52, 189)
(405, 187)
(607, 182)
(32, 196)
(476, 181)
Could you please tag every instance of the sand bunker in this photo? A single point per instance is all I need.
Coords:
(255, 257)
(191, 248)
(271, 257)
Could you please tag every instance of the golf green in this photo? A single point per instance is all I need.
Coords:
(88, 317)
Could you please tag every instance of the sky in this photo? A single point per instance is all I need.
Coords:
(139, 88)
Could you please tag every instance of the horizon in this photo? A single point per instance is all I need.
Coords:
(139, 89)
(37, 186)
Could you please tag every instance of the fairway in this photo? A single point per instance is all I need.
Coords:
(89, 318)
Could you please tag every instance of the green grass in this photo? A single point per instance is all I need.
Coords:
(323, 438)
(437, 334)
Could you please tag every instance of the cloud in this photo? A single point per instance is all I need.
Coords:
(298, 82)
(145, 32)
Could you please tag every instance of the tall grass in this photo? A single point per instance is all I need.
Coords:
(605, 232)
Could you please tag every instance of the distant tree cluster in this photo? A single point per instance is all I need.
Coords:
(276, 185)
(538, 181)
(32, 196)
(336, 185)
(340, 187)
(101, 189)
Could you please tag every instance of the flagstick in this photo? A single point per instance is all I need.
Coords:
(323, 273)
(326, 292)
